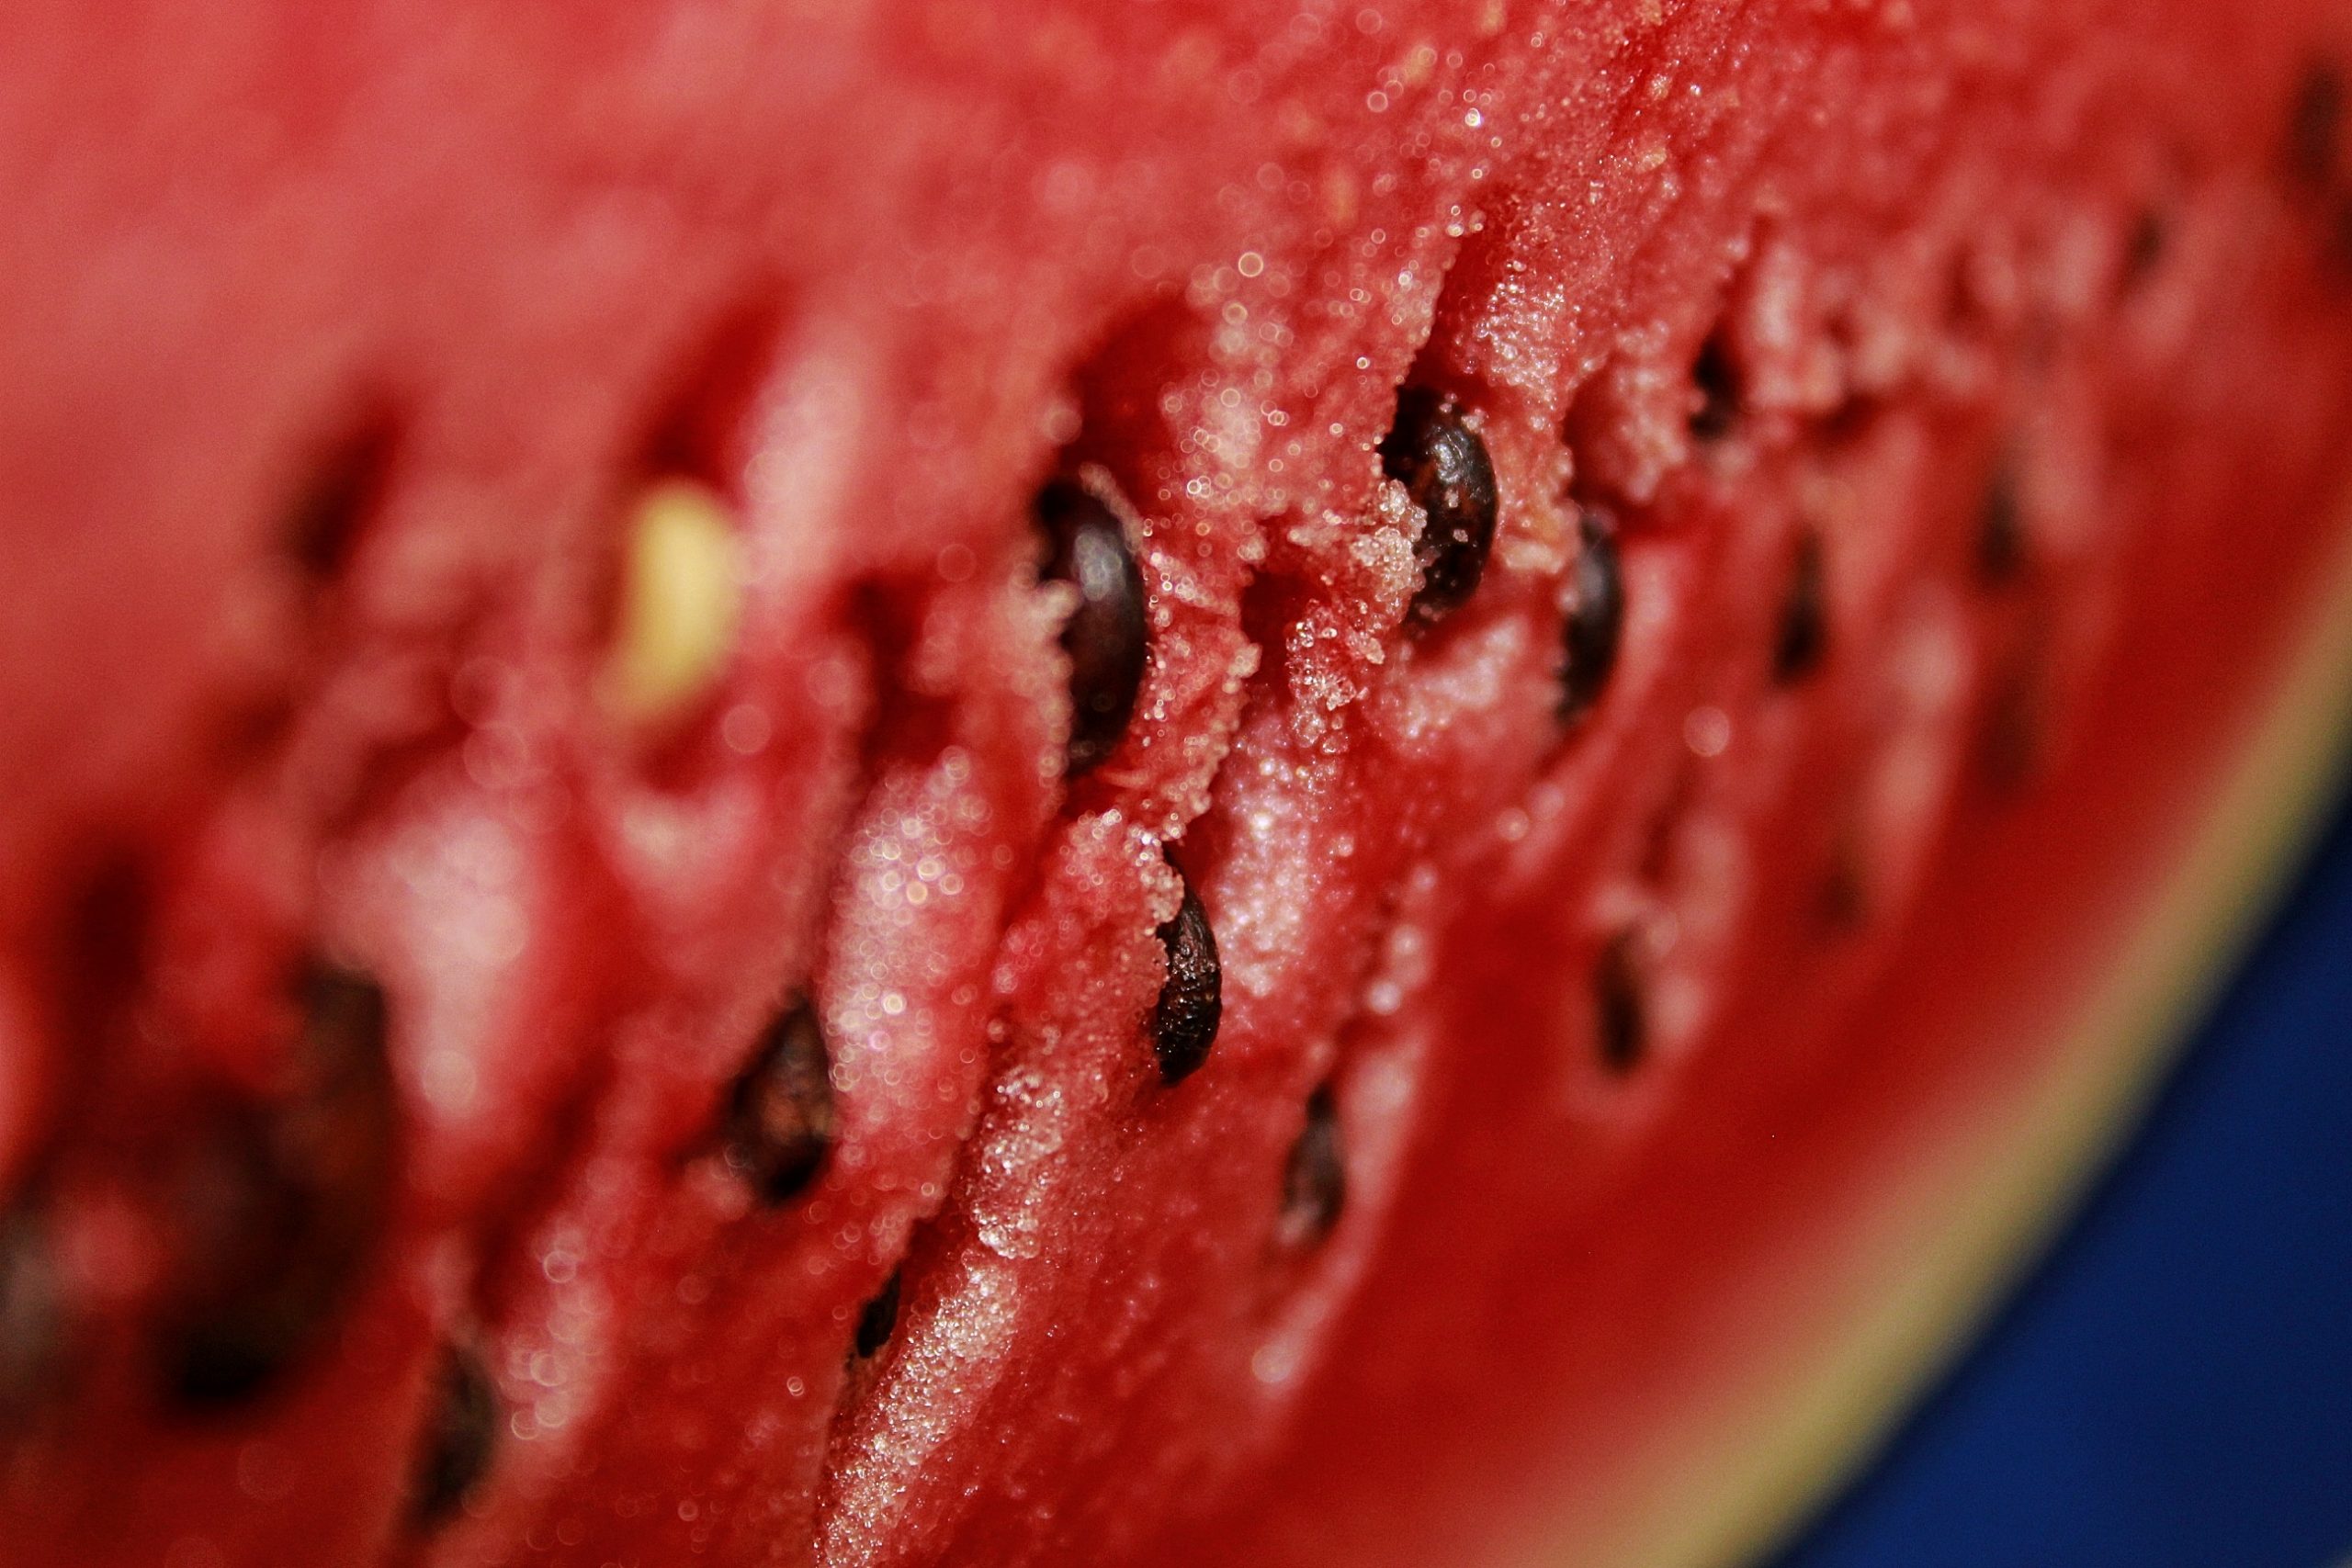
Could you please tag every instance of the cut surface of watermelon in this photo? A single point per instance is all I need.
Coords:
(909, 783)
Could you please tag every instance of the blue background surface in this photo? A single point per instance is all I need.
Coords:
(2173, 1388)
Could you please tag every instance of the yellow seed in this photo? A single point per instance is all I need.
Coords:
(681, 599)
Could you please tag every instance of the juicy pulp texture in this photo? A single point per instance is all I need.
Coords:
(482, 1083)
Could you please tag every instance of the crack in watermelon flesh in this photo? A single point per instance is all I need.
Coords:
(914, 784)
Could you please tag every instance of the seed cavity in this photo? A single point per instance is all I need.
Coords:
(277, 1207)
(2144, 245)
(341, 492)
(2015, 744)
(1845, 895)
(1803, 635)
(1716, 381)
(781, 1121)
(1620, 1022)
(879, 1319)
(1442, 463)
(1183, 1024)
(461, 1436)
(2316, 125)
(1315, 1182)
(1852, 419)
(1107, 634)
(33, 1316)
(2339, 242)
(1596, 618)
(2001, 544)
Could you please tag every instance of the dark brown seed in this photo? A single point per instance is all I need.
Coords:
(879, 1319)
(1183, 1024)
(1717, 381)
(1315, 1183)
(33, 1316)
(780, 1120)
(277, 1206)
(1596, 620)
(1621, 1024)
(2316, 125)
(1803, 635)
(460, 1436)
(2001, 544)
(1106, 636)
(1443, 463)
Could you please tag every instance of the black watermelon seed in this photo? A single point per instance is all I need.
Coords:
(1718, 385)
(279, 1205)
(879, 1319)
(1443, 463)
(460, 1436)
(33, 1316)
(1106, 636)
(780, 1119)
(1596, 620)
(2316, 125)
(1621, 1023)
(2001, 544)
(1183, 1024)
(1315, 1183)
(1803, 635)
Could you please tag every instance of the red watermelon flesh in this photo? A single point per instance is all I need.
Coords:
(465, 1099)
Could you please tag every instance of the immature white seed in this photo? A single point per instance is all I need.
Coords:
(680, 603)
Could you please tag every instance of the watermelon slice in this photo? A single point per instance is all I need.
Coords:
(921, 784)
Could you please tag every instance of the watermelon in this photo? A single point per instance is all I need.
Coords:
(918, 783)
